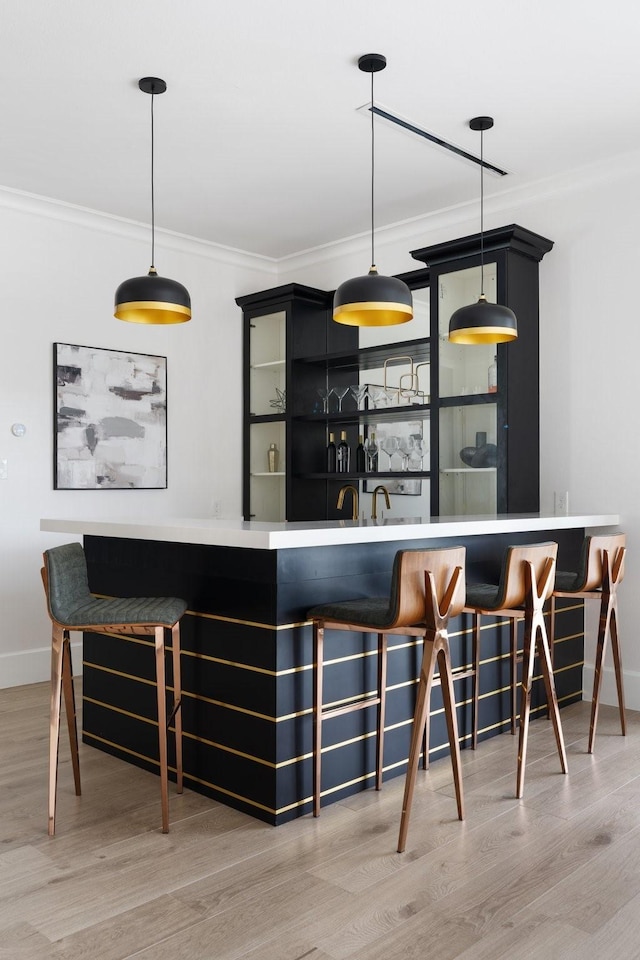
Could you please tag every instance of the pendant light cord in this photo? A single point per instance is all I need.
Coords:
(482, 213)
(153, 205)
(373, 163)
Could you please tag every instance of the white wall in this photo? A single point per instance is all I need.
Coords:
(60, 269)
(590, 347)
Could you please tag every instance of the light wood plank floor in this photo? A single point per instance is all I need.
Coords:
(556, 875)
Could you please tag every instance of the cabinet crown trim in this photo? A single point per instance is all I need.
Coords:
(512, 237)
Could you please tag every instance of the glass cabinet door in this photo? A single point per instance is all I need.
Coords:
(267, 366)
(267, 427)
(468, 452)
(468, 460)
(267, 474)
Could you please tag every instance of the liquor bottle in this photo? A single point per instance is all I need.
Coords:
(344, 454)
(360, 456)
(272, 457)
(493, 376)
(331, 455)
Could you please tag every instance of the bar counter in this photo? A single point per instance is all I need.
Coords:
(247, 663)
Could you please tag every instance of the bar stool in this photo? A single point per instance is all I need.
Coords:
(600, 571)
(403, 612)
(444, 592)
(72, 607)
(526, 582)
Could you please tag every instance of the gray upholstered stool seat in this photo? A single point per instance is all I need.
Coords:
(71, 606)
(373, 612)
(600, 570)
(567, 580)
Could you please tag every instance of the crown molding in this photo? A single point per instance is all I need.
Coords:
(36, 205)
(449, 218)
(408, 232)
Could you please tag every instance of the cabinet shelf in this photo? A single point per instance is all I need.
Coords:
(369, 358)
(383, 475)
(391, 414)
(268, 473)
(267, 364)
(468, 400)
(267, 417)
(468, 469)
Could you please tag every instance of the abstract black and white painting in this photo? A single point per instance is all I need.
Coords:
(110, 428)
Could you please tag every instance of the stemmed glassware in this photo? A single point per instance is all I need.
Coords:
(340, 393)
(390, 446)
(324, 393)
(371, 451)
(377, 395)
(405, 446)
(417, 454)
(359, 393)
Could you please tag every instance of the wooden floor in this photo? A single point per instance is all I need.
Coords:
(556, 875)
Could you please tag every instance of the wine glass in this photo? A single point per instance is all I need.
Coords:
(377, 395)
(404, 448)
(417, 454)
(371, 451)
(359, 393)
(392, 394)
(324, 393)
(340, 393)
(390, 446)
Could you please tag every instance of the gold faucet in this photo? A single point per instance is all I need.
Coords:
(340, 503)
(374, 504)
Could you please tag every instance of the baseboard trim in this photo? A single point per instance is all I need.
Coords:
(33, 666)
(608, 693)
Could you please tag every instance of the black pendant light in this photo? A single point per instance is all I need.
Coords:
(372, 300)
(482, 322)
(152, 299)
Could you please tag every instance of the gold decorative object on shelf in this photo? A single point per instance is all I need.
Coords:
(408, 388)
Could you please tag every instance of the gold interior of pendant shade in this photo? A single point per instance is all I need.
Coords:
(372, 314)
(152, 311)
(483, 335)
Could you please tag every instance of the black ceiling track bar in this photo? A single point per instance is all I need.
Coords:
(379, 112)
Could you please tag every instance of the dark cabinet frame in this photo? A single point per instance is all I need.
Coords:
(315, 345)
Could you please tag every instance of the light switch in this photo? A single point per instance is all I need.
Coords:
(3, 468)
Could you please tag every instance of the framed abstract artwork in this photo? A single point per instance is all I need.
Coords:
(110, 419)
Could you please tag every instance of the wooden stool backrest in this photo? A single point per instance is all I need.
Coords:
(410, 567)
(615, 546)
(514, 582)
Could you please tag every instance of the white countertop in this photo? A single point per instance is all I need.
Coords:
(256, 535)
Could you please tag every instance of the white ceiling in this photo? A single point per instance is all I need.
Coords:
(259, 145)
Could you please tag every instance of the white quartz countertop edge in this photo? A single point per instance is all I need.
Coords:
(277, 536)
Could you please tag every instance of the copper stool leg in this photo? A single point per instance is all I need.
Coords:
(70, 709)
(535, 632)
(162, 726)
(422, 707)
(318, 655)
(177, 703)
(57, 641)
(382, 692)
